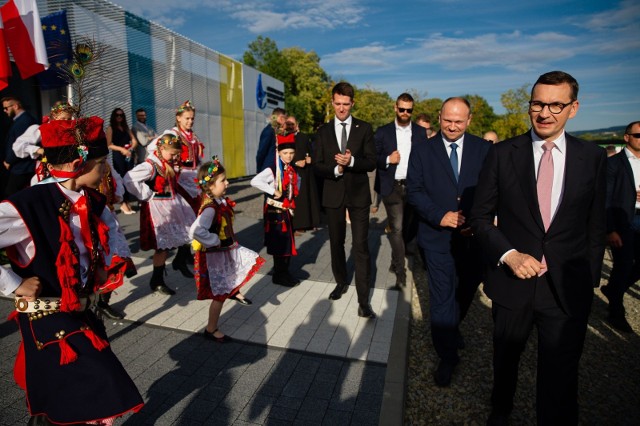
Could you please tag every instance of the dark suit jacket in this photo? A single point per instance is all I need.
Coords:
(432, 188)
(386, 143)
(19, 166)
(266, 155)
(352, 188)
(621, 193)
(574, 244)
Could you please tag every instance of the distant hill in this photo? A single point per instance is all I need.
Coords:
(615, 132)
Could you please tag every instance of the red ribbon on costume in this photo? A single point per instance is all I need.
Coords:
(66, 269)
(290, 182)
(81, 208)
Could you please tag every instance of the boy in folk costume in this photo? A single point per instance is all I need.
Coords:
(281, 186)
(58, 235)
(165, 216)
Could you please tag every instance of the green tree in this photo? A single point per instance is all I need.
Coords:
(431, 107)
(263, 55)
(516, 119)
(309, 88)
(483, 117)
(374, 107)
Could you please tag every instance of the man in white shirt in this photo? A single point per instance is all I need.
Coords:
(144, 134)
(394, 142)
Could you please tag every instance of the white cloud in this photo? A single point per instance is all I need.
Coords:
(627, 13)
(257, 16)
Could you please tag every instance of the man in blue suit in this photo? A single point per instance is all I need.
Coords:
(441, 182)
(20, 169)
(266, 155)
(394, 143)
(623, 224)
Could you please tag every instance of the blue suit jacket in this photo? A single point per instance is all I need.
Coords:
(19, 166)
(386, 143)
(266, 155)
(433, 190)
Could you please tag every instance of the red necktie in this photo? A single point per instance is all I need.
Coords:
(81, 208)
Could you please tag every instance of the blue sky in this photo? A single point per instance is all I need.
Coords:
(439, 48)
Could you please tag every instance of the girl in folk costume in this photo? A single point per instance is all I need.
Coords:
(281, 186)
(191, 155)
(165, 216)
(58, 236)
(222, 265)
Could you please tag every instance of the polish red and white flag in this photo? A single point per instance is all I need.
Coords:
(23, 34)
(5, 65)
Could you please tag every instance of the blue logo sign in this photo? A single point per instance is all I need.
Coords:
(261, 94)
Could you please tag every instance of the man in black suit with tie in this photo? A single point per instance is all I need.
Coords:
(547, 189)
(441, 180)
(623, 224)
(345, 152)
(394, 143)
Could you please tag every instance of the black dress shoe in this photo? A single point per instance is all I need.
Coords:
(163, 289)
(620, 323)
(183, 268)
(245, 301)
(108, 311)
(366, 311)
(338, 291)
(211, 336)
(443, 373)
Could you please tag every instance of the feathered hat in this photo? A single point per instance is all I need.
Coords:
(67, 140)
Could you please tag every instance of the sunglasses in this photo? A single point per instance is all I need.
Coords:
(635, 135)
(119, 114)
(409, 110)
(7, 107)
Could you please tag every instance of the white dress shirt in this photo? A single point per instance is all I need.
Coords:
(337, 127)
(635, 167)
(460, 143)
(403, 137)
(559, 154)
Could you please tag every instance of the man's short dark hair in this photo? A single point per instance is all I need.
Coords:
(556, 78)
(405, 97)
(279, 111)
(630, 126)
(344, 89)
(12, 99)
(140, 110)
(423, 117)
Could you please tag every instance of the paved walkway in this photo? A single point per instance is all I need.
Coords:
(298, 358)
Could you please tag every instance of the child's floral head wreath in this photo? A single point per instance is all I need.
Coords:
(186, 106)
(169, 138)
(211, 172)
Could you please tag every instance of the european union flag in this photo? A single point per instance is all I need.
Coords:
(58, 41)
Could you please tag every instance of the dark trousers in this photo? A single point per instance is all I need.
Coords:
(395, 204)
(625, 271)
(560, 342)
(359, 216)
(453, 278)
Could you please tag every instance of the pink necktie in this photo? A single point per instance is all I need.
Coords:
(544, 187)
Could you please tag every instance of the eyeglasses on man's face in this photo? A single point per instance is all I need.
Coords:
(4, 108)
(409, 110)
(634, 135)
(554, 107)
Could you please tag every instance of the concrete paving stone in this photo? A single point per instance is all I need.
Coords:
(336, 417)
(269, 390)
(342, 404)
(257, 409)
(223, 416)
(214, 393)
(198, 410)
(321, 389)
(312, 409)
(293, 402)
(236, 400)
(298, 384)
(285, 414)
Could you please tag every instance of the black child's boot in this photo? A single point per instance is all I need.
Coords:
(180, 261)
(107, 310)
(157, 282)
(281, 272)
(287, 261)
